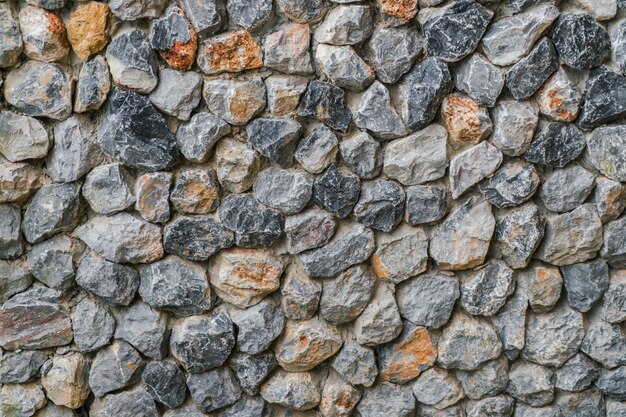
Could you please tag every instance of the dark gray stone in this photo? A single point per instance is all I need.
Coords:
(604, 342)
(530, 383)
(20, 367)
(11, 242)
(577, 374)
(294, 390)
(125, 404)
(144, 328)
(92, 324)
(214, 389)
(274, 138)
(165, 382)
(585, 283)
(555, 144)
(252, 370)
(170, 28)
(567, 188)
(253, 223)
(336, 191)
(197, 137)
(14, 278)
(387, 399)
(196, 238)
(604, 100)
(250, 16)
(518, 234)
(614, 300)
(131, 10)
(207, 16)
(511, 185)
(425, 204)
(528, 74)
(326, 103)
(380, 205)
(345, 297)
(53, 261)
(245, 406)
(392, 51)
(132, 61)
(618, 43)
(487, 381)
(582, 43)
(428, 300)
(356, 364)
(11, 37)
(484, 291)
(614, 249)
(93, 85)
(111, 282)
(613, 383)
(346, 25)
(362, 155)
(302, 11)
(114, 367)
(258, 326)
(479, 79)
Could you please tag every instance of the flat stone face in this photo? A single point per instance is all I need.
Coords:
(22, 137)
(603, 98)
(345, 297)
(253, 223)
(196, 237)
(473, 165)
(206, 16)
(92, 324)
(274, 138)
(87, 30)
(337, 190)
(287, 49)
(579, 181)
(607, 151)
(514, 125)
(555, 144)
(235, 101)
(511, 185)
(518, 234)
(296, 390)
(345, 25)
(93, 85)
(380, 322)
(150, 338)
(113, 283)
(582, 43)
(177, 93)
(132, 62)
(428, 300)
(526, 76)
(559, 98)
(400, 254)
(109, 189)
(392, 51)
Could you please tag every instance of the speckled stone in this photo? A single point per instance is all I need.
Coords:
(582, 42)
(555, 144)
(603, 99)
(326, 103)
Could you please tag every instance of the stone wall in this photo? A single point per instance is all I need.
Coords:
(313, 208)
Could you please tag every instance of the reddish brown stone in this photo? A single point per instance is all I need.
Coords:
(230, 52)
(182, 55)
(467, 122)
(404, 10)
(196, 191)
(408, 356)
(88, 29)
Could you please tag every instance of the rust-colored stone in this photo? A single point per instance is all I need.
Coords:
(407, 357)
(467, 122)
(551, 98)
(182, 55)
(230, 52)
(88, 29)
(403, 10)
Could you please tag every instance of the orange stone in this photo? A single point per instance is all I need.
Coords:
(403, 10)
(88, 29)
(230, 52)
(182, 55)
(467, 122)
(408, 356)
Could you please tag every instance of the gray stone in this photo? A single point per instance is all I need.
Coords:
(484, 291)
(250, 16)
(511, 185)
(393, 51)
(214, 389)
(152, 191)
(197, 137)
(581, 404)
(206, 16)
(542, 285)
(425, 204)
(296, 390)
(603, 101)
(195, 190)
(609, 198)
(605, 342)
(14, 278)
(531, 384)
(114, 367)
(130, 10)
(326, 103)
(144, 328)
(285, 190)
(11, 37)
(577, 374)
(287, 49)
(606, 150)
(22, 137)
(237, 165)
(376, 114)
(338, 396)
(344, 298)
(125, 404)
(245, 406)
(356, 364)
(317, 150)
(258, 326)
(178, 93)
(380, 205)
(93, 85)
(614, 300)
(428, 300)
(165, 382)
(53, 261)
(559, 98)
(302, 11)
(437, 388)
(618, 43)
(11, 242)
(479, 79)
(22, 400)
(252, 370)
(92, 324)
(19, 180)
(345, 25)
(274, 138)
(20, 367)
(362, 155)
(132, 61)
(499, 405)
(387, 399)
(578, 181)
(196, 238)
(380, 322)
(614, 248)
(514, 124)
(43, 35)
(337, 190)
(525, 77)
(457, 410)
(111, 282)
(308, 230)
(253, 223)
(600, 10)
(472, 166)
(615, 408)
(518, 234)
(175, 39)
(585, 283)
(300, 294)
(582, 43)
(400, 254)
(235, 101)
(509, 323)
(109, 189)
(487, 381)
(613, 383)
(343, 66)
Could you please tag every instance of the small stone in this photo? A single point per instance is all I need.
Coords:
(22, 400)
(152, 191)
(606, 151)
(18, 181)
(380, 322)
(467, 342)
(11, 242)
(296, 390)
(585, 283)
(22, 137)
(201, 343)
(132, 61)
(122, 238)
(178, 93)
(602, 102)
(144, 328)
(343, 66)
(53, 261)
(525, 77)
(230, 52)
(134, 132)
(605, 342)
(253, 223)
(428, 300)
(614, 300)
(249, 16)
(125, 404)
(484, 291)
(438, 388)
(509, 323)
(214, 389)
(300, 294)
(308, 230)
(345, 25)
(387, 399)
(14, 278)
(472, 166)
(589, 402)
(252, 370)
(417, 158)
(93, 85)
(362, 155)
(12, 44)
(243, 277)
(113, 283)
(509, 39)
(611, 383)
(499, 405)
(356, 364)
(571, 237)
(87, 30)
(400, 254)
(555, 144)
(284, 92)
(302, 11)
(130, 10)
(380, 205)
(274, 138)
(237, 165)
(66, 380)
(236, 101)
(518, 234)
(581, 42)
(114, 367)
(339, 398)
(393, 51)
(43, 34)
(453, 31)
(258, 326)
(412, 353)
(578, 181)
(397, 12)
(305, 344)
(20, 367)
(326, 103)
(40, 89)
(92, 324)
(552, 338)
(175, 39)
(577, 374)
(491, 379)
(514, 124)
(376, 114)
(618, 43)
(462, 240)
(425, 204)
(336, 191)
(559, 98)
(165, 382)
(109, 189)
(54, 208)
(196, 237)
(514, 183)
(614, 248)
(206, 16)
(344, 298)
(195, 191)
(287, 49)
(609, 198)
(479, 79)
(197, 137)
(530, 383)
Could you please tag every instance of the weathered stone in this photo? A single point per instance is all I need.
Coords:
(93, 85)
(479, 79)
(109, 189)
(14, 278)
(236, 101)
(380, 205)
(243, 277)
(614, 300)
(196, 237)
(18, 181)
(472, 166)
(111, 282)
(144, 328)
(462, 240)
(165, 382)
(484, 291)
(296, 390)
(237, 165)
(92, 324)
(22, 137)
(43, 34)
(302, 11)
(257, 326)
(578, 181)
(65, 381)
(249, 16)
(605, 342)
(518, 234)
(338, 397)
(317, 150)
(555, 144)
(22, 400)
(11, 242)
(152, 192)
(230, 52)
(401, 254)
(393, 51)
(287, 49)
(343, 66)
(380, 322)
(509, 39)
(122, 238)
(201, 343)
(559, 98)
(345, 25)
(509, 323)
(425, 204)
(132, 61)
(308, 230)
(585, 283)
(87, 29)
(134, 132)
(614, 248)
(489, 380)
(336, 191)
(396, 12)
(206, 16)
(525, 77)
(428, 300)
(418, 158)
(552, 338)
(284, 92)
(611, 383)
(376, 114)
(606, 149)
(609, 198)
(600, 10)
(125, 404)
(615, 408)
(618, 43)
(589, 402)
(603, 101)
(530, 383)
(178, 93)
(175, 39)
(582, 43)
(387, 399)
(514, 125)
(195, 191)
(300, 294)
(252, 370)
(362, 155)
(197, 137)
(130, 10)
(500, 405)
(467, 122)
(40, 89)
(253, 223)
(511, 185)
(274, 138)
(53, 261)
(408, 356)
(214, 389)
(438, 388)
(114, 367)
(12, 44)
(344, 298)
(356, 364)
(245, 406)
(20, 367)
(577, 374)
(326, 103)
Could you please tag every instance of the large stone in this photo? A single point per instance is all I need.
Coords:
(345, 25)
(425, 204)
(178, 93)
(405, 358)
(356, 364)
(109, 189)
(22, 400)
(196, 238)
(472, 166)
(605, 342)
(12, 44)
(248, 16)
(582, 42)
(92, 324)
(132, 61)
(400, 254)
(518, 234)
(618, 43)
(144, 328)
(437, 388)
(326, 103)
(206, 16)
(577, 374)
(514, 124)
(395, 13)
(195, 191)
(236, 101)
(252, 370)
(362, 155)
(152, 191)
(337, 190)
(165, 382)
(20, 367)
(22, 137)
(175, 38)
(93, 85)
(578, 181)
(197, 137)
(387, 399)
(489, 380)
(380, 205)
(130, 10)
(499, 405)
(111, 282)
(392, 52)
(53, 261)
(274, 138)
(611, 383)
(604, 98)
(237, 165)
(43, 34)
(467, 122)
(479, 79)
(531, 383)
(607, 151)
(525, 77)
(258, 326)
(512, 184)
(309, 230)
(585, 283)
(484, 291)
(614, 248)
(253, 223)
(230, 52)
(376, 114)
(287, 49)
(284, 92)
(344, 298)
(136, 402)
(114, 367)
(555, 144)
(317, 150)
(428, 300)
(559, 98)
(88, 29)
(11, 241)
(214, 389)
(343, 66)
(380, 322)
(66, 381)
(14, 278)
(296, 390)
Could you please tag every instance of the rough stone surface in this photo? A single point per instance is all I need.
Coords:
(22, 137)
(274, 138)
(43, 34)
(518, 234)
(113, 368)
(425, 204)
(525, 77)
(380, 322)
(93, 85)
(133, 62)
(195, 191)
(603, 99)
(258, 326)
(88, 29)
(511, 185)
(530, 383)
(253, 223)
(175, 38)
(579, 182)
(542, 284)
(392, 52)
(108, 189)
(585, 283)
(606, 149)
(428, 300)
(582, 42)
(376, 114)
(345, 25)
(197, 137)
(559, 98)
(10, 31)
(113, 283)
(296, 390)
(326, 103)
(484, 291)
(287, 49)
(479, 79)
(178, 93)
(93, 325)
(230, 52)
(152, 192)
(344, 298)
(235, 101)
(514, 124)
(196, 238)
(473, 165)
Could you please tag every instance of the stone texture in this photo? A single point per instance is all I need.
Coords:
(300, 294)
(296, 390)
(253, 223)
(380, 205)
(338, 397)
(386, 398)
(214, 389)
(473, 165)
(582, 43)
(302, 11)
(614, 300)
(43, 34)
(206, 16)
(177, 93)
(165, 382)
(606, 150)
(393, 51)
(93, 325)
(510, 322)
(514, 124)
(109, 189)
(125, 404)
(425, 204)
(230, 52)
(489, 380)
(604, 342)
(412, 353)
(235, 101)
(196, 238)
(274, 138)
(602, 102)
(114, 367)
(152, 192)
(380, 322)
(559, 98)
(325, 102)
(66, 381)
(14, 278)
(113, 283)
(585, 283)
(428, 300)
(437, 388)
(479, 79)
(144, 328)
(579, 182)
(11, 241)
(484, 291)
(258, 326)
(345, 25)
(287, 49)
(608, 197)
(525, 77)
(126, 10)
(577, 374)
(132, 61)
(376, 114)
(22, 400)
(337, 190)
(514, 183)
(20, 367)
(555, 144)
(10, 31)
(518, 234)
(175, 38)
(22, 137)
(284, 92)
(53, 261)
(18, 181)
(252, 370)
(195, 191)
(613, 250)
(531, 384)
(87, 29)
(197, 137)
(356, 364)
(237, 165)
(344, 298)
(93, 85)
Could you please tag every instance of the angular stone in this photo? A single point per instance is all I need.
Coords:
(125, 404)
(509, 39)
(40, 89)
(380, 322)
(114, 367)
(400, 254)
(93, 85)
(43, 34)
(438, 388)
(615, 408)
(252, 370)
(618, 43)
(308, 230)
(555, 144)
(65, 381)
(425, 204)
(18, 181)
(253, 223)
(302, 11)
(274, 138)
(605, 342)
(467, 122)
(559, 98)
(511, 185)
(356, 364)
(249, 16)
(92, 324)
(393, 51)
(428, 300)
(345, 297)
(12, 44)
(258, 326)
(499, 405)
(472, 166)
(214, 389)
(484, 291)
(338, 397)
(237, 165)
(614, 248)
(600, 10)
(462, 240)
(326, 103)
(577, 374)
(362, 155)
(230, 52)
(178, 93)
(343, 66)
(614, 300)
(387, 399)
(479, 79)
(236, 101)
(144, 328)
(317, 150)
(88, 29)
(582, 43)
(11, 242)
(287, 49)
(245, 406)
(380, 205)
(14, 278)
(284, 92)
(296, 390)
(345, 25)
(175, 39)
(130, 10)
(132, 61)
(467, 343)
(518, 234)
(589, 402)
(197, 137)
(609, 198)
(531, 384)
(196, 237)
(585, 283)
(206, 16)
(396, 13)
(20, 367)
(300, 294)
(491, 379)
(134, 132)
(611, 383)
(152, 191)
(525, 77)
(22, 400)
(243, 277)
(376, 114)
(112, 283)
(514, 124)
(109, 189)
(509, 323)
(603, 101)
(195, 191)
(337, 191)
(53, 261)
(417, 158)
(165, 382)
(412, 353)
(542, 286)
(201, 343)
(606, 150)
(22, 137)
(578, 181)
(122, 238)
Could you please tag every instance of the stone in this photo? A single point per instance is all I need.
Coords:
(525, 77)
(438, 388)
(22, 137)
(606, 151)
(559, 98)
(196, 238)
(66, 381)
(93, 85)
(20, 367)
(14, 278)
(132, 61)
(514, 183)
(380, 322)
(376, 114)
(618, 43)
(467, 343)
(296, 390)
(252, 370)
(122, 238)
(40, 89)
(472, 166)
(317, 150)
(509, 323)
(305, 344)
(343, 66)
(92, 324)
(405, 358)
(206, 16)
(514, 124)
(577, 374)
(11, 241)
(114, 367)
(462, 240)
(401, 254)
(214, 389)
(196, 137)
(600, 10)
(571, 237)
(518, 234)
(345, 25)
(339, 398)
(614, 408)
(18, 181)
(499, 405)
(425, 204)
(380, 205)
(43, 34)
(111, 282)
(417, 158)
(487, 381)
(609, 198)
(386, 398)
(165, 382)
(287, 49)
(484, 291)
(614, 300)
(614, 248)
(555, 144)
(87, 29)
(356, 364)
(393, 51)
(284, 92)
(467, 122)
(602, 102)
(152, 191)
(55, 208)
(589, 402)
(129, 11)
(302, 11)
(134, 132)
(244, 277)
(579, 182)
(325, 102)
(531, 384)
(245, 405)
(177, 93)
(237, 165)
(309, 229)
(195, 191)
(125, 404)
(582, 43)
(230, 52)
(236, 101)
(253, 223)
(344, 298)
(509, 39)
(109, 189)
(248, 16)
(201, 343)
(479, 79)
(175, 39)
(22, 400)
(274, 138)
(258, 326)
(337, 190)
(12, 44)
(300, 294)
(175, 285)
(427, 300)
(144, 328)
(396, 13)
(362, 155)
(353, 241)
(554, 337)
(453, 31)
(611, 383)
(585, 283)
(53, 261)
(604, 342)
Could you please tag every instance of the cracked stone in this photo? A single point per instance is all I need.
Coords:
(253, 223)
(576, 179)
(514, 183)
(518, 234)
(484, 291)
(111, 282)
(479, 79)
(472, 166)
(109, 189)
(344, 298)
(337, 190)
(526, 77)
(380, 205)
(376, 114)
(206, 16)
(275, 139)
(237, 165)
(175, 39)
(258, 326)
(165, 382)
(317, 150)
(514, 124)
(559, 98)
(92, 324)
(343, 66)
(393, 51)
(230, 52)
(300, 294)
(326, 103)
(114, 367)
(603, 100)
(362, 155)
(252, 370)
(66, 381)
(132, 61)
